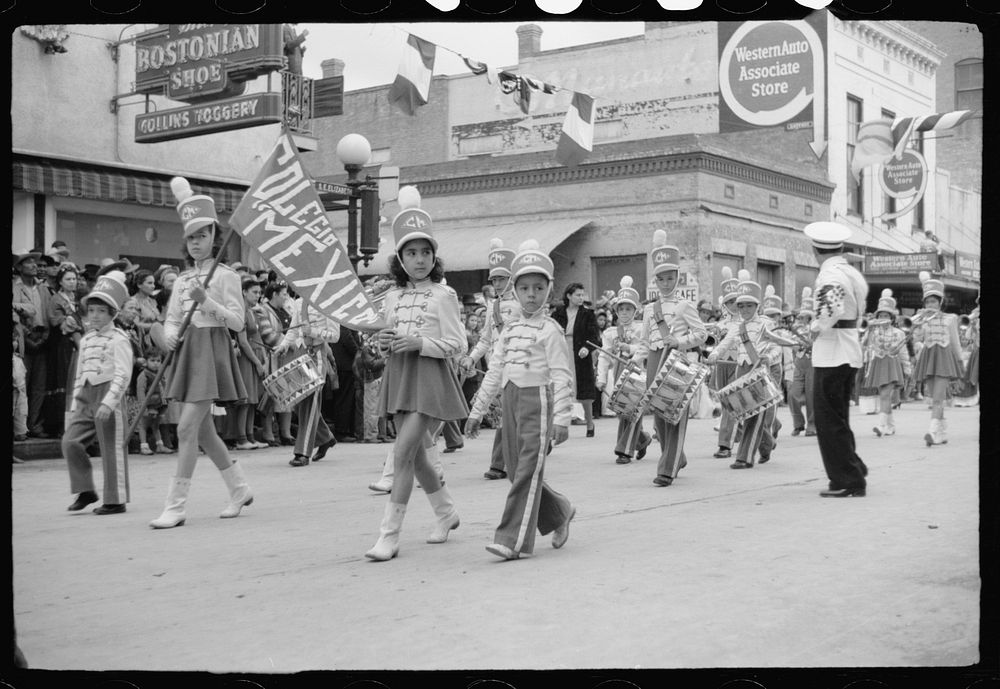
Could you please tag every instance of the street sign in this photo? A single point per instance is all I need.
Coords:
(331, 188)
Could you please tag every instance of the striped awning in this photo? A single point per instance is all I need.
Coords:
(102, 183)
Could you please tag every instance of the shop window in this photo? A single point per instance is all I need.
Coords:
(770, 274)
(853, 189)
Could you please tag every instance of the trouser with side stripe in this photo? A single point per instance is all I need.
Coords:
(81, 430)
(531, 504)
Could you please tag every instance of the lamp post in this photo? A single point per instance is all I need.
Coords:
(353, 151)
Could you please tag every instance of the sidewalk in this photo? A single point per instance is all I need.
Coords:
(724, 569)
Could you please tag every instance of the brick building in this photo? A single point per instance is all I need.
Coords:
(667, 154)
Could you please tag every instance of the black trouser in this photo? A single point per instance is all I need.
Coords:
(832, 387)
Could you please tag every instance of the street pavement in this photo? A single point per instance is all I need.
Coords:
(723, 569)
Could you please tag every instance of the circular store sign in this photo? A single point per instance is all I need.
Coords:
(767, 70)
(905, 175)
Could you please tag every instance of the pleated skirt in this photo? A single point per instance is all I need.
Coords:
(883, 370)
(205, 368)
(939, 361)
(424, 384)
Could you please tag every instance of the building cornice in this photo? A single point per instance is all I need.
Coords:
(611, 170)
(896, 41)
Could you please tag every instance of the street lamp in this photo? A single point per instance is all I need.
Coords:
(353, 151)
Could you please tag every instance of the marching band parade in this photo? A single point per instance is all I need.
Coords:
(297, 358)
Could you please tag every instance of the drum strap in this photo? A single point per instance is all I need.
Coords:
(661, 323)
(497, 320)
(621, 338)
(751, 349)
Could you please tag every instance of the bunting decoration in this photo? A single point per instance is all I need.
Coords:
(478, 68)
(412, 86)
(577, 137)
(522, 87)
(879, 140)
(282, 217)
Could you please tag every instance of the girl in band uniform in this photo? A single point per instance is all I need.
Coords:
(939, 360)
(204, 370)
(420, 387)
(888, 361)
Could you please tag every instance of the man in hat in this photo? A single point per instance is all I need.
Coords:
(840, 294)
(31, 303)
(59, 247)
(668, 323)
(103, 373)
(50, 269)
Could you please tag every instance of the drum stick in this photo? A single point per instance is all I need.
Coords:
(627, 362)
(180, 334)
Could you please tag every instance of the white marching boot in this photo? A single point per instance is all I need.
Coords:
(889, 428)
(879, 430)
(936, 434)
(941, 437)
(239, 492)
(173, 512)
(447, 516)
(387, 545)
(384, 484)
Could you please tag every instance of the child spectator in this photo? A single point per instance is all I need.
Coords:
(155, 407)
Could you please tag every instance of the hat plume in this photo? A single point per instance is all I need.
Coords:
(181, 188)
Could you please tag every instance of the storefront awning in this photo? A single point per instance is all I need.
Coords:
(466, 248)
(882, 240)
(117, 185)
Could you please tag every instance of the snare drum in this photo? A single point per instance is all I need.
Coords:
(293, 382)
(674, 385)
(750, 394)
(629, 389)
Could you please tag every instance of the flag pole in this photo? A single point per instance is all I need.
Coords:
(168, 358)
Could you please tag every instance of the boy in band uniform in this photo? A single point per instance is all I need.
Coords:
(622, 338)
(724, 371)
(499, 312)
(104, 369)
(668, 323)
(800, 395)
(530, 363)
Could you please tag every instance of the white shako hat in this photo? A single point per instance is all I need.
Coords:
(827, 235)
(196, 210)
(806, 305)
(412, 222)
(772, 302)
(665, 256)
(531, 259)
(728, 285)
(500, 259)
(627, 293)
(747, 289)
(887, 303)
(110, 288)
(932, 286)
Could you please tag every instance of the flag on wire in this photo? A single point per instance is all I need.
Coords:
(879, 140)
(413, 82)
(281, 216)
(478, 68)
(522, 88)
(577, 137)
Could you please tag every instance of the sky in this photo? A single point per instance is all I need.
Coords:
(371, 52)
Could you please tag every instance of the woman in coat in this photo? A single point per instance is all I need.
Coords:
(580, 326)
